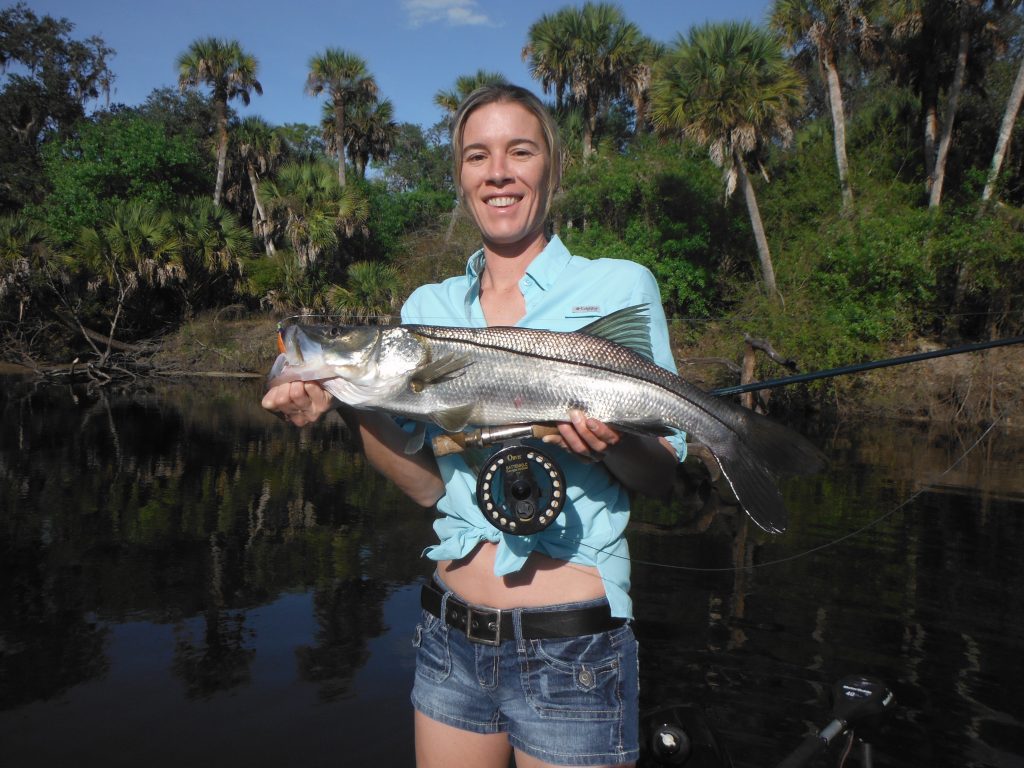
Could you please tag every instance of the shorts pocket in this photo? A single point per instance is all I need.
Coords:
(575, 678)
(433, 659)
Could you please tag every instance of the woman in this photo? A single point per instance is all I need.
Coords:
(534, 652)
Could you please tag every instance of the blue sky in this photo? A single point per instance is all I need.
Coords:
(412, 47)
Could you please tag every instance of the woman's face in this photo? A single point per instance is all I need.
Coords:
(504, 174)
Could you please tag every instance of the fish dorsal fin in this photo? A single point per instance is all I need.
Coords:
(453, 419)
(629, 327)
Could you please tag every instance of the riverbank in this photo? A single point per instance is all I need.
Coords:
(973, 388)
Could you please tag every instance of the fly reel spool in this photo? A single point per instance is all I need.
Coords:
(520, 490)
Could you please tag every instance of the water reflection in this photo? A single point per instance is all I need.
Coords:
(176, 562)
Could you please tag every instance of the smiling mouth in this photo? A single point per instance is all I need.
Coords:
(502, 202)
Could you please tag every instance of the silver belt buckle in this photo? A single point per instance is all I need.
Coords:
(472, 612)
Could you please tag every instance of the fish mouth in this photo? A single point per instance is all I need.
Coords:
(290, 345)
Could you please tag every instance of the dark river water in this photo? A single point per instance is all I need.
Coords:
(185, 581)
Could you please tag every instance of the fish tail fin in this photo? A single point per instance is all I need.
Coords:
(779, 447)
(754, 487)
(750, 464)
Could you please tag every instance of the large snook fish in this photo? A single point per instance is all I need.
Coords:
(494, 376)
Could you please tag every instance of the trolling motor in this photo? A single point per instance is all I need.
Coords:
(855, 700)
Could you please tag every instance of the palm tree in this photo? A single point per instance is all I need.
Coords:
(346, 80)
(230, 73)
(306, 203)
(212, 242)
(261, 150)
(728, 87)
(592, 52)
(371, 293)
(637, 81)
(549, 52)
(134, 245)
(828, 28)
(924, 31)
(25, 258)
(449, 101)
(371, 132)
(1013, 103)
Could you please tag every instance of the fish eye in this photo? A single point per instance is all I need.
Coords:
(334, 330)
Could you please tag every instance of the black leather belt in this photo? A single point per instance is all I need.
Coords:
(490, 625)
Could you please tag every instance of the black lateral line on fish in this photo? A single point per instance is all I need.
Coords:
(421, 331)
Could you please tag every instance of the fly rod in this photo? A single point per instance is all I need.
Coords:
(859, 367)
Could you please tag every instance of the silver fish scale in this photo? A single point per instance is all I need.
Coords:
(494, 376)
(527, 375)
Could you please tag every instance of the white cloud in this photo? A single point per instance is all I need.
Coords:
(455, 13)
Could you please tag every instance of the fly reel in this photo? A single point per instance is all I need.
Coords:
(520, 490)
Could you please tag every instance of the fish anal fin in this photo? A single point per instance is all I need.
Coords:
(649, 428)
(415, 442)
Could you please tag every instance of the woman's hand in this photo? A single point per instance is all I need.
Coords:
(589, 439)
(644, 464)
(299, 402)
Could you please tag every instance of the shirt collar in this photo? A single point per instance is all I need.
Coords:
(544, 269)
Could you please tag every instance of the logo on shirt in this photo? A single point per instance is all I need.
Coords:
(586, 309)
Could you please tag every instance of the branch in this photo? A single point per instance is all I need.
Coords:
(74, 323)
(766, 347)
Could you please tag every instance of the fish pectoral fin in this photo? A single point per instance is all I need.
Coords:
(629, 327)
(453, 419)
(415, 442)
(436, 371)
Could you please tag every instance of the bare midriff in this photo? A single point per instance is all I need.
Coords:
(542, 580)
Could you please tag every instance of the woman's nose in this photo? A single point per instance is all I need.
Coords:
(497, 171)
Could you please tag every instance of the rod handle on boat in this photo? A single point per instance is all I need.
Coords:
(457, 442)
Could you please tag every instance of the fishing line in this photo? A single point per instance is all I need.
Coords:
(829, 544)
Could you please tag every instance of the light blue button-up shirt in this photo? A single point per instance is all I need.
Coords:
(563, 293)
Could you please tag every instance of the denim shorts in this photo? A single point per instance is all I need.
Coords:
(568, 701)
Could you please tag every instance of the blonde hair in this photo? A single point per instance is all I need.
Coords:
(506, 93)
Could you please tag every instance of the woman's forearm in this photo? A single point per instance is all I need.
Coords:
(384, 444)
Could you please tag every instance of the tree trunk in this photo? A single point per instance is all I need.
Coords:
(339, 138)
(589, 126)
(1005, 132)
(935, 194)
(221, 107)
(763, 254)
(931, 132)
(260, 224)
(835, 100)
